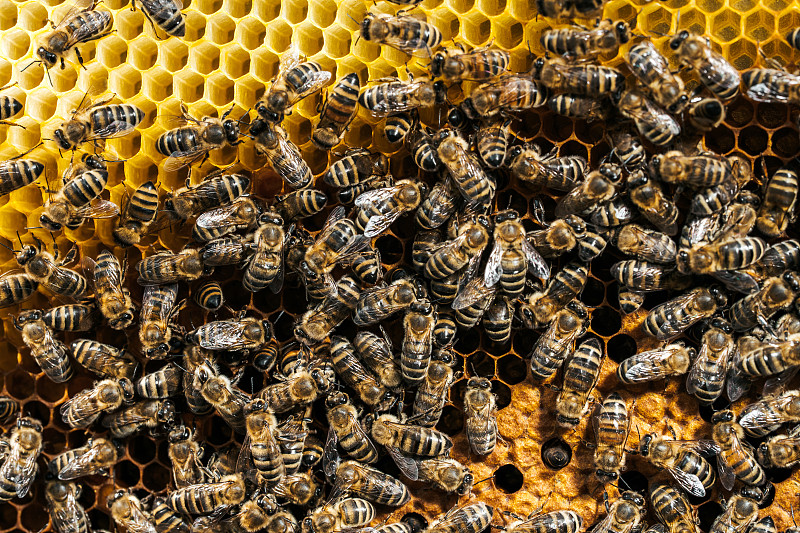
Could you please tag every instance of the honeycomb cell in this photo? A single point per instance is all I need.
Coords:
(492, 7)
(157, 84)
(556, 453)
(8, 517)
(238, 8)
(509, 32)
(615, 11)
(32, 16)
(250, 33)
(209, 7)
(771, 116)
(220, 89)
(656, 19)
(508, 478)
(741, 54)
(476, 28)
(195, 26)
(143, 53)
(775, 5)
(447, 22)
(125, 81)
(322, 13)
(112, 51)
(739, 113)
(295, 11)
(8, 15)
(676, 4)
(720, 140)
(204, 58)
(279, 35)
(785, 143)
(188, 86)
(726, 25)
(309, 38)
(15, 44)
(336, 41)
(129, 24)
(753, 140)
(221, 28)
(461, 6)
(620, 347)
(693, 20)
(33, 517)
(247, 91)
(778, 49)
(19, 385)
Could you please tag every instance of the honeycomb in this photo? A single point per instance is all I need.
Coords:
(230, 51)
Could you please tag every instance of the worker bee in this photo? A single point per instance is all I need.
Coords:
(184, 453)
(345, 429)
(582, 107)
(419, 143)
(510, 93)
(683, 460)
(405, 33)
(445, 474)
(9, 407)
(66, 513)
(669, 319)
(433, 389)
(369, 483)
(97, 121)
(48, 352)
(735, 458)
(452, 256)
(598, 187)
(262, 513)
(652, 69)
(166, 14)
(320, 320)
(780, 451)
(479, 64)
(606, 37)
(194, 139)
(771, 85)
(592, 243)
(777, 207)
(81, 24)
(480, 406)
(228, 401)
(295, 80)
(646, 244)
(338, 515)
(209, 296)
(199, 366)
(205, 498)
(556, 344)
(403, 439)
(377, 304)
(614, 213)
(224, 251)
(651, 201)
(338, 238)
(261, 445)
(740, 511)
(652, 122)
(337, 112)
(397, 127)
(630, 300)
(379, 208)
(558, 238)
(137, 215)
(555, 522)
(214, 191)
(160, 384)
(21, 448)
(113, 299)
(240, 215)
(559, 173)
(127, 512)
(166, 267)
(728, 252)
(673, 508)
(298, 489)
(498, 318)
(84, 408)
(492, 142)
(389, 97)
(300, 388)
(647, 277)
(45, 268)
(356, 166)
(719, 76)
(472, 300)
(283, 155)
(418, 325)
(300, 204)
(366, 266)
(16, 288)
(104, 360)
(512, 256)
(143, 414)
(779, 258)
(15, 174)
(10, 106)
(705, 114)
(611, 425)
(580, 377)
(265, 268)
(353, 373)
(468, 519)
(696, 171)
(70, 317)
(766, 358)
(540, 308)
(156, 318)
(767, 415)
(670, 360)
(714, 199)
(628, 150)
(165, 519)
(464, 167)
(776, 293)
(580, 79)
(376, 353)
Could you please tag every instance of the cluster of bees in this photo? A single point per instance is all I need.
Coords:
(470, 265)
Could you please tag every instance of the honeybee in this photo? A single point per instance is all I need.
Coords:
(48, 352)
(403, 439)
(624, 515)
(300, 204)
(405, 33)
(780, 451)
(184, 453)
(262, 513)
(396, 96)
(705, 114)
(214, 191)
(77, 200)
(651, 201)
(15, 174)
(337, 112)
(433, 389)
(445, 474)
(338, 515)
(261, 445)
(614, 213)
(165, 519)
(224, 251)
(104, 360)
(97, 121)
(300, 388)
(707, 376)
(21, 448)
(670, 360)
(765, 358)
(194, 140)
(369, 483)
(299, 489)
(741, 510)
(338, 238)
(71, 317)
(669, 319)
(582, 107)
(696, 171)
(379, 208)
(166, 267)
(628, 150)
(498, 318)
(366, 266)
(320, 320)
(558, 173)
(558, 238)
(419, 143)
(735, 457)
(464, 167)
(265, 267)
(295, 80)
(241, 214)
(209, 296)
(512, 256)
(719, 76)
(598, 187)
(581, 79)
(166, 14)
(492, 142)
(452, 256)
(16, 288)
(647, 277)
(113, 299)
(46, 269)
(376, 353)
(345, 429)
(555, 522)
(606, 37)
(630, 300)
(728, 252)
(580, 377)
(480, 407)
(84, 408)
(377, 304)
(479, 64)
(205, 498)
(467, 519)
(160, 384)
(127, 512)
(155, 320)
(10, 106)
(556, 344)
(652, 69)
(418, 325)
(768, 414)
(146, 413)
(228, 401)
(777, 207)
(673, 508)
(540, 308)
(81, 24)
(353, 373)
(397, 127)
(472, 300)
(66, 513)
(9, 407)
(771, 85)
(356, 166)
(652, 122)
(611, 425)
(683, 460)
(508, 94)
(283, 155)
(776, 293)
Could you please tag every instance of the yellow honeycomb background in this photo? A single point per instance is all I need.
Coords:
(230, 51)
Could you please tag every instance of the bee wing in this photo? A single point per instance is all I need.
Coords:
(415, 46)
(314, 82)
(770, 414)
(286, 157)
(19, 472)
(138, 522)
(604, 526)
(656, 118)
(163, 8)
(244, 462)
(718, 70)
(60, 277)
(179, 159)
(655, 66)
(289, 59)
(403, 100)
(83, 32)
(727, 477)
(66, 515)
(775, 87)
(702, 369)
(167, 294)
(377, 196)
(115, 128)
(330, 455)
(689, 482)
(98, 209)
(277, 283)
(737, 280)
(536, 264)
(472, 292)
(408, 466)
(737, 383)
(222, 216)
(494, 265)
(82, 465)
(648, 366)
(227, 335)
(700, 446)
(777, 385)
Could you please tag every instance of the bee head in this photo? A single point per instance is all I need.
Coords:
(436, 64)
(31, 423)
(623, 32)
(676, 41)
(179, 434)
(47, 57)
(61, 139)
(115, 496)
(231, 128)
(466, 484)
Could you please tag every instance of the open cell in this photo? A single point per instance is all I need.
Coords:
(188, 85)
(125, 81)
(221, 28)
(476, 28)
(157, 84)
(129, 24)
(759, 25)
(41, 104)
(726, 25)
(309, 39)
(265, 64)
(742, 54)
(204, 58)
(295, 11)
(491, 7)
(32, 16)
(279, 35)
(15, 43)
(143, 53)
(461, 6)
(250, 33)
(692, 20)
(337, 41)
(509, 32)
(447, 22)
(657, 19)
(208, 7)
(195, 26)
(247, 90)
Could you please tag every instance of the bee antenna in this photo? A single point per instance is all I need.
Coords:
(7, 247)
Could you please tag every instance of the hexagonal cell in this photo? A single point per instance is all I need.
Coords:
(656, 19)
(157, 84)
(279, 35)
(237, 8)
(295, 11)
(509, 32)
(41, 104)
(447, 22)
(771, 116)
(209, 7)
(692, 20)
(174, 55)
(742, 53)
(739, 113)
(491, 7)
(616, 11)
(778, 49)
(219, 89)
(753, 140)
(250, 33)
(322, 13)
(337, 41)
(8, 15)
(13, 220)
(247, 91)
(759, 25)
(26, 137)
(143, 53)
(112, 51)
(461, 6)
(140, 169)
(476, 28)
(709, 6)
(129, 24)
(366, 51)
(126, 81)
(15, 43)
(221, 28)
(32, 16)
(776, 5)
(785, 143)
(265, 64)
(309, 38)
(267, 11)
(726, 25)
(188, 85)
(204, 58)
(195, 26)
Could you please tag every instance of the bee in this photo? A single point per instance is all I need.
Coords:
(630, 300)
(21, 448)
(705, 114)
(300, 388)
(396, 96)
(299, 489)
(397, 127)
(295, 80)
(761, 359)
(606, 37)
(735, 458)
(356, 166)
(214, 191)
(283, 155)
(669, 319)
(647, 277)
(652, 69)
(652, 122)
(719, 76)
(127, 512)
(779, 258)
(137, 215)
(673, 508)
(95, 122)
(228, 402)
(776, 293)
(508, 94)
(155, 320)
(419, 143)
(780, 451)
(445, 290)
(558, 238)
(580, 377)
(777, 207)
(71, 317)
(224, 251)
(167, 267)
(433, 389)
(205, 498)
(468, 519)
(739, 513)
(628, 150)
(376, 353)
(80, 25)
(345, 429)
(300, 204)
(320, 320)
(540, 308)
(160, 384)
(715, 199)
(353, 373)
(464, 167)
(9, 407)
(113, 299)
(512, 256)
(418, 325)
(445, 474)
(369, 483)
(611, 425)
(646, 244)
(497, 319)
(291, 437)
(84, 408)
(559, 173)
(669, 360)
(479, 64)
(554, 522)
(556, 344)
(145, 413)
(582, 79)
(16, 288)
(241, 214)
(209, 296)
(165, 519)
(480, 407)
(403, 439)
(262, 513)
(683, 460)
(598, 187)
(341, 514)
(104, 360)
(10, 106)
(245, 334)
(615, 213)
(15, 174)
(653, 204)
(696, 171)
(765, 416)
(337, 112)
(366, 266)
(199, 366)
(377, 304)
(582, 107)
(45, 268)
(725, 253)
(405, 33)
(166, 14)
(472, 300)
(194, 140)
(66, 513)
(338, 238)
(452, 256)
(49, 353)
(379, 208)
(261, 446)
(184, 453)
(265, 268)
(771, 85)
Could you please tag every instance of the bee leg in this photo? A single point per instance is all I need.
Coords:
(6, 122)
(80, 58)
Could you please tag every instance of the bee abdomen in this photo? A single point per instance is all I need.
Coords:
(102, 116)
(178, 140)
(82, 190)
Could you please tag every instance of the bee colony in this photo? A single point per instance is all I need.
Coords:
(280, 265)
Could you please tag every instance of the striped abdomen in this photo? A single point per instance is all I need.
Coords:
(165, 14)
(85, 188)
(184, 139)
(101, 117)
